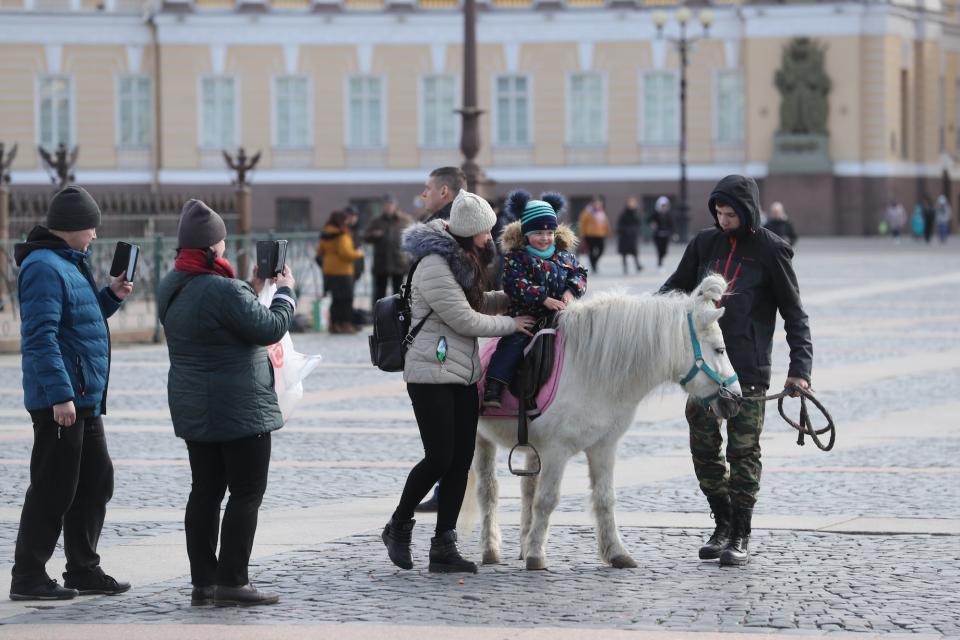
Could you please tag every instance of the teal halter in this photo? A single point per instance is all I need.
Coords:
(700, 365)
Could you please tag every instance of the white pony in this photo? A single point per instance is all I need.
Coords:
(618, 348)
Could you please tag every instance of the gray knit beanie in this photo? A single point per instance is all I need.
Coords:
(73, 209)
(470, 215)
(200, 226)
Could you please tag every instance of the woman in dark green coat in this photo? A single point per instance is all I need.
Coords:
(222, 400)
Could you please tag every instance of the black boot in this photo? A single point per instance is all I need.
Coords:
(444, 556)
(737, 551)
(720, 508)
(492, 393)
(396, 535)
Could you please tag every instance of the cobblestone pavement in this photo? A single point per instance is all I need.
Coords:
(887, 349)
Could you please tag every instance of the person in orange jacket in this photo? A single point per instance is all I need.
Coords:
(336, 255)
(594, 228)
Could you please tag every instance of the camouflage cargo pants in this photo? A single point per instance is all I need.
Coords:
(742, 482)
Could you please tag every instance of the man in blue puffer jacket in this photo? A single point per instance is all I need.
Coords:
(65, 342)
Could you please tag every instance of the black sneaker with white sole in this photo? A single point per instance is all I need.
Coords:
(97, 584)
(48, 590)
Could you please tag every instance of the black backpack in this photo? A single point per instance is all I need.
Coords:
(391, 328)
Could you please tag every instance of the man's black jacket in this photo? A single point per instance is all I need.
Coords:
(757, 265)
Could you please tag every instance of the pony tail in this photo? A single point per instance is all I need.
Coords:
(555, 199)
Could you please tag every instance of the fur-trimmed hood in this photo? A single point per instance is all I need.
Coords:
(512, 238)
(424, 239)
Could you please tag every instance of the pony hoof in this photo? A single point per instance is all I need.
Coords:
(491, 556)
(535, 564)
(623, 562)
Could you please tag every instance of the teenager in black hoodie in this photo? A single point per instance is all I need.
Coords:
(761, 281)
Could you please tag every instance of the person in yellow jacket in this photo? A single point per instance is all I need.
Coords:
(594, 227)
(336, 255)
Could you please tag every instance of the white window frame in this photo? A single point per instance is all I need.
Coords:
(118, 79)
(716, 108)
(236, 112)
(71, 108)
(642, 113)
(604, 110)
(348, 143)
(421, 111)
(496, 112)
(275, 119)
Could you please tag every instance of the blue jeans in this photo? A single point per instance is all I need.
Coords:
(507, 357)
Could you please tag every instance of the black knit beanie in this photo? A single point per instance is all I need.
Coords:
(73, 209)
(200, 226)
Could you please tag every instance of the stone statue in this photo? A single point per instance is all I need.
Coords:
(60, 164)
(242, 165)
(804, 85)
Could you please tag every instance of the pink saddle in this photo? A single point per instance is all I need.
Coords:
(509, 403)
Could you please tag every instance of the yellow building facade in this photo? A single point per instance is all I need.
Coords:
(348, 99)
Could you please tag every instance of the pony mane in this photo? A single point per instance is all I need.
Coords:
(628, 344)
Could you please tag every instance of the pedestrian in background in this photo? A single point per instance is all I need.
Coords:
(65, 342)
(594, 227)
(629, 231)
(222, 401)
(661, 223)
(779, 224)
(944, 214)
(929, 218)
(758, 268)
(896, 218)
(441, 187)
(385, 233)
(337, 256)
(916, 222)
(449, 296)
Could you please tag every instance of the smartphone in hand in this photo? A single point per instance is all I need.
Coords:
(125, 258)
(271, 257)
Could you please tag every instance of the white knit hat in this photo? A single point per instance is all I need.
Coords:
(470, 215)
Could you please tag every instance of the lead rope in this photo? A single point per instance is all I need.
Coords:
(804, 427)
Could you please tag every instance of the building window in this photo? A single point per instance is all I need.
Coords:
(588, 116)
(439, 121)
(661, 107)
(729, 120)
(135, 111)
(513, 111)
(53, 95)
(365, 111)
(292, 112)
(218, 127)
(293, 214)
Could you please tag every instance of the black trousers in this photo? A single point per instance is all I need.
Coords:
(241, 465)
(595, 246)
(447, 416)
(341, 298)
(71, 482)
(661, 242)
(380, 285)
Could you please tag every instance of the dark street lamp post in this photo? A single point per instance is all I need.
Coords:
(470, 131)
(683, 44)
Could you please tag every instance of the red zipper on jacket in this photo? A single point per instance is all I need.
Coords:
(726, 268)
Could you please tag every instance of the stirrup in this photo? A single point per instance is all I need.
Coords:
(530, 449)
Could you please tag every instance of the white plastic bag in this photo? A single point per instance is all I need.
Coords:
(290, 368)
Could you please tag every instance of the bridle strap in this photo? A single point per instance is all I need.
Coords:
(700, 365)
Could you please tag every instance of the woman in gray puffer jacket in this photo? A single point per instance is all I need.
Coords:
(442, 369)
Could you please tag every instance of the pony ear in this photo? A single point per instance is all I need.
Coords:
(555, 200)
(516, 203)
(707, 315)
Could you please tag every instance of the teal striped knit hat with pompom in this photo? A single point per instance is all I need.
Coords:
(537, 216)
